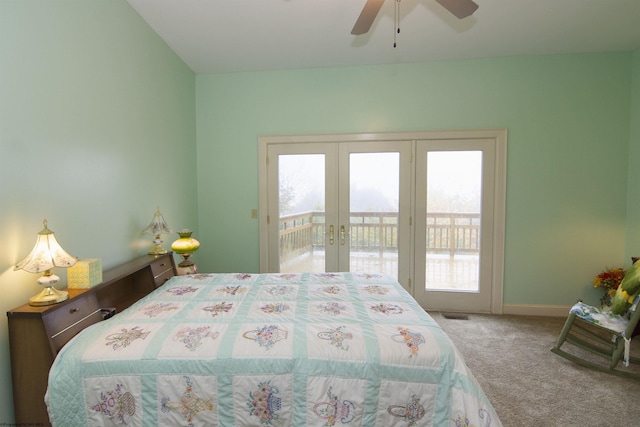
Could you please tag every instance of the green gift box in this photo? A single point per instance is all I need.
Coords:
(85, 273)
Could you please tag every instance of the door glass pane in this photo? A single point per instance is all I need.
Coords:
(302, 209)
(374, 205)
(454, 183)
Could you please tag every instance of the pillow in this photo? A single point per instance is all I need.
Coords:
(628, 289)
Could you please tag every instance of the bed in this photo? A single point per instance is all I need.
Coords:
(303, 349)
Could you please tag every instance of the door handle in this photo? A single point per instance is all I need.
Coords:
(343, 234)
(330, 233)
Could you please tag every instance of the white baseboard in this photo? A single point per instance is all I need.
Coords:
(536, 310)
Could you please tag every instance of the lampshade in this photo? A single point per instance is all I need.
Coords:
(157, 227)
(45, 255)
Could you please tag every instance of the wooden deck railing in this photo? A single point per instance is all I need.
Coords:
(453, 233)
(447, 233)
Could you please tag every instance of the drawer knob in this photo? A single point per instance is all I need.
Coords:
(73, 310)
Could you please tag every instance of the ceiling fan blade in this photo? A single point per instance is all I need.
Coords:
(460, 8)
(367, 16)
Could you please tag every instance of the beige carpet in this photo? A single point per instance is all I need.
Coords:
(529, 385)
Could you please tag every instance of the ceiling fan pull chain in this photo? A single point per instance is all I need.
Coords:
(396, 29)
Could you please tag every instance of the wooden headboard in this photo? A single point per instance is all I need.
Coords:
(36, 334)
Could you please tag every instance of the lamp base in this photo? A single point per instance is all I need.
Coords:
(187, 266)
(158, 250)
(48, 296)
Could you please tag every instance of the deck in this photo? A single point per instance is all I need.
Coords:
(452, 246)
(443, 272)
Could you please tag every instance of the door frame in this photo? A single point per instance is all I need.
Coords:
(499, 220)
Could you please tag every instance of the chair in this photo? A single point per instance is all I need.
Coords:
(601, 333)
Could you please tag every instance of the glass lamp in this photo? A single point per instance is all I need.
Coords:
(185, 246)
(157, 227)
(46, 254)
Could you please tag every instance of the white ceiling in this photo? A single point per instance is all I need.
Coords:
(213, 36)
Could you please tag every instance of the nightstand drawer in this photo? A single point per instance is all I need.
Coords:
(161, 279)
(65, 322)
(162, 270)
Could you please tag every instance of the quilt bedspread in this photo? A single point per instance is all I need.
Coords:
(308, 349)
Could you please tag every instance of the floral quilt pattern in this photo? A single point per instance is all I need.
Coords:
(240, 349)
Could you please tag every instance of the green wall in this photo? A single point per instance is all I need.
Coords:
(633, 193)
(568, 118)
(97, 129)
(99, 122)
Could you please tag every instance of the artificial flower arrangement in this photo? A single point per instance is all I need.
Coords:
(609, 280)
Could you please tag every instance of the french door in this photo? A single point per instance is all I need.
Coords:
(339, 206)
(455, 215)
(425, 207)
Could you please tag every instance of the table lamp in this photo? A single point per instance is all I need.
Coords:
(46, 254)
(185, 246)
(157, 227)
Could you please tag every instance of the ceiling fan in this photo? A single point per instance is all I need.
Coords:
(459, 8)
